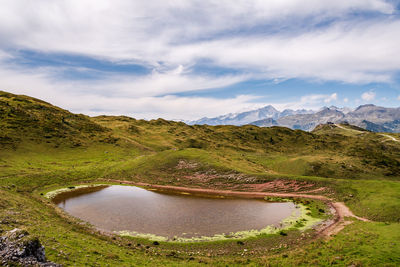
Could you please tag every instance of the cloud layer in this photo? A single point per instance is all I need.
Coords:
(192, 46)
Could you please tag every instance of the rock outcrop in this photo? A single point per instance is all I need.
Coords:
(17, 247)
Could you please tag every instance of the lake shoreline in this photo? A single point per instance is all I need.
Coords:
(339, 210)
(326, 229)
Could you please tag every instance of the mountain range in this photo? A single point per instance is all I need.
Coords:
(248, 117)
(369, 117)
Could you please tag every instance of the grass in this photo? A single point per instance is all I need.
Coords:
(376, 200)
(359, 244)
(43, 147)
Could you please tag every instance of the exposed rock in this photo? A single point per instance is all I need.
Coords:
(182, 164)
(18, 247)
(268, 122)
(248, 117)
(308, 122)
(370, 117)
(370, 126)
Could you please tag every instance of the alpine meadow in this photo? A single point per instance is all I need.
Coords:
(199, 133)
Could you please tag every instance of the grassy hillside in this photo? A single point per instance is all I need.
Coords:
(26, 119)
(44, 147)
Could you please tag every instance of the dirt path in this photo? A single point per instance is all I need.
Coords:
(312, 191)
(347, 129)
(335, 226)
(390, 137)
(339, 223)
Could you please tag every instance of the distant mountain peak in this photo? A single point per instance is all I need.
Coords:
(268, 107)
(268, 122)
(247, 117)
(344, 110)
(365, 106)
(367, 116)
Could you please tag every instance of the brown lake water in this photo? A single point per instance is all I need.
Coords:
(129, 208)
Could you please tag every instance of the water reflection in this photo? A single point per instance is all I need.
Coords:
(120, 208)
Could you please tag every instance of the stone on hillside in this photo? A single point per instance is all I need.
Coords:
(18, 247)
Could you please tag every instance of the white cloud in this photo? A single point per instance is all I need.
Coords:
(180, 33)
(345, 100)
(153, 84)
(163, 83)
(317, 99)
(121, 29)
(125, 96)
(170, 107)
(258, 37)
(97, 99)
(331, 98)
(312, 101)
(368, 96)
(364, 53)
(398, 98)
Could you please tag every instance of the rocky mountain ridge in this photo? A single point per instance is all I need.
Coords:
(369, 117)
(248, 117)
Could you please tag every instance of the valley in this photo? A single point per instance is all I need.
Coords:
(45, 148)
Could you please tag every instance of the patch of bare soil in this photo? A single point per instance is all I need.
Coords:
(216, 179)
(239, 181)
(339, 223)
(284, 186)
(246, 182)
(183, 164)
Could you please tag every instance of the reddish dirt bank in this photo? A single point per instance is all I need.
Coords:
(335, 226)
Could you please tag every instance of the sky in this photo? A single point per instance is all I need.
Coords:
(183, 59)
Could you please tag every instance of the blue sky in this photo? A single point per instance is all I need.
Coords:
(191, 59)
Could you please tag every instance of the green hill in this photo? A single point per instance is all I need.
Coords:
(328, 151)
(26, 119)
(44, 147)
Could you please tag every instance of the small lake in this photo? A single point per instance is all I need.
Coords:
(129, 208)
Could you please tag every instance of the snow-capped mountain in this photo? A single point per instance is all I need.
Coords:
(249, 116)
(368, 116)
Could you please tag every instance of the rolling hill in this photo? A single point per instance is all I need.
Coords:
(44, 147)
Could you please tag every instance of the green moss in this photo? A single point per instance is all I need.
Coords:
(300, 214)
(54, 193)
